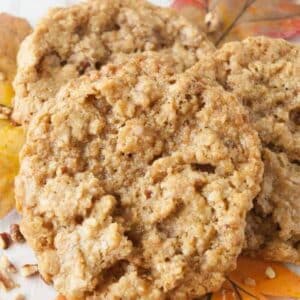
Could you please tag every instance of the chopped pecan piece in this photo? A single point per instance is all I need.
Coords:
(6, 265)
(16, 234)
(5, 240)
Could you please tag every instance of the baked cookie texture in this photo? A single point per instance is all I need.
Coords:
(71, 41)
(135, 183)
(264, 74)
(12, 31)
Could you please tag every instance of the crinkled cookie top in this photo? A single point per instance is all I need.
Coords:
(264, 74)
(71, 41)
(135, 183)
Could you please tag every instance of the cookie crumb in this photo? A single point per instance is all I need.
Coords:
(250, 281)
(270, 273)
(29, 270)
(6, 283)
(16, 234)
(212, 22)
(5, 240)
(20, 297)
(6, 265)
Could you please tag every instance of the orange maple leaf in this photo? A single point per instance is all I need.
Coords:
(238, 19)
(251, 280)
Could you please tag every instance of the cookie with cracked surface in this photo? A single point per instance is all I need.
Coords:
(264, 74)
(135, 183)
(71, 41)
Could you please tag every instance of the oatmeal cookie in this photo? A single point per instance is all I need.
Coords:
(264, 74)
(135, 183)
(71, 41)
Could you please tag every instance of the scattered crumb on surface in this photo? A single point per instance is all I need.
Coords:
(20, 297)
(29, 270)
(5, 240)
(270, 273)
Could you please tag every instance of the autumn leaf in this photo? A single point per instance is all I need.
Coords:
(284, 284)
(11, 141)
(251, 280)
(236, 19)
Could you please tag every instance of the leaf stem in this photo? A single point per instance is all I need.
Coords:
(236, 286)
(247, 4)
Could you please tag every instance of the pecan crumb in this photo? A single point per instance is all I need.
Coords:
(6, 265)
(5, 240)
(6, 283)
(270, 273)
(212, 22)
(250, 281)
(2, 76)
(16, 234)
(29, 270)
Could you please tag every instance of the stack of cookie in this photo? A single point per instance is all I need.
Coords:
(146, 149)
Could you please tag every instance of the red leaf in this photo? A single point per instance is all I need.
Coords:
(201, 4)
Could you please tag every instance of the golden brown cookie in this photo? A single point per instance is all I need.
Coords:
(135, 183)
(12, 31)
(264, 74)
(71, 41)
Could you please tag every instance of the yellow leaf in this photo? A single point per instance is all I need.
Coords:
(6, 93)
(11, 141)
